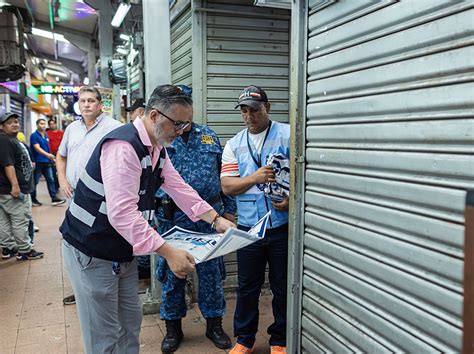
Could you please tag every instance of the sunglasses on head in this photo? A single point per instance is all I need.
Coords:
(178, 124)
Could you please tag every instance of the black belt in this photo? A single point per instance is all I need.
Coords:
(170, 207)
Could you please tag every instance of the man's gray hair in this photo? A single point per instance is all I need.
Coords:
(165, 96)
(91, 89)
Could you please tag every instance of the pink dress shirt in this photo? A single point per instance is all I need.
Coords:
(121, 171)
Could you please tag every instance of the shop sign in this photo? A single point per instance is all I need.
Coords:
(13, 86)
(59, 89)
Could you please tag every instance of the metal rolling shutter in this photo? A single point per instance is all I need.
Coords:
(17, 107)
(181, 39)
(389, 156)
(244, 45)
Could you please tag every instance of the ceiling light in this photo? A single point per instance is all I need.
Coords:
(124, 36)
(281, 4)
(120, 14)
(55, 73)
(86, 81)
(48, 34)
(122, 51)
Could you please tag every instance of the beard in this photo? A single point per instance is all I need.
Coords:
(161, 137)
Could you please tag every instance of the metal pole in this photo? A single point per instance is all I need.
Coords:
(297, 183)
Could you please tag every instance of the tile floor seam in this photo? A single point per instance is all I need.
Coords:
(22, 306)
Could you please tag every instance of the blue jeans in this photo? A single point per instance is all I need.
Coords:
(251, 262)
(45, 169)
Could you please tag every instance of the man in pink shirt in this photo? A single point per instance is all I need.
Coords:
(107, 222)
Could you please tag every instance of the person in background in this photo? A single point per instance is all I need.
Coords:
(32, 228)
(16, 172)
(39, 143)
(137, 109)
(196, 154)
(79, 140)
(55, 136)
(107, 222)
(244, 171)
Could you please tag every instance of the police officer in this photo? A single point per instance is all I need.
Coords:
(196, 155)
(244, 170)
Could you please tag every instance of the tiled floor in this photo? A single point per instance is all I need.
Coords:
(34, 320)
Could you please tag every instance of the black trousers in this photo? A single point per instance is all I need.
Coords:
(251, 262)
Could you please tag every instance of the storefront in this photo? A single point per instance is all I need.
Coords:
(382, 127)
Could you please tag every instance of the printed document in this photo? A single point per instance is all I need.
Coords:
(208, 246)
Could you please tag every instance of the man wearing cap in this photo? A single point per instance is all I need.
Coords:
(197, 155)
(244, 171)
(136, 109)
(16, 173)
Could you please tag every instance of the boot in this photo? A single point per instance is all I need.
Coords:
(215, 332)
(173, 338)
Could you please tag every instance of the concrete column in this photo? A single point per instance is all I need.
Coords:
(105, 41)
(91, 59)
(157, 57)
(157, 44)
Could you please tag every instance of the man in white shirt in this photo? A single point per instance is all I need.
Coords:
(79, 141)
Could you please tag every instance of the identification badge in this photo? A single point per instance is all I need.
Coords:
(207, 139)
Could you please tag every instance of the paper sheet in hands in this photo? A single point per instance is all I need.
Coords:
(208, 246)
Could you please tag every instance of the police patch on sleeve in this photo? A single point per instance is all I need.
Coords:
(207, 139)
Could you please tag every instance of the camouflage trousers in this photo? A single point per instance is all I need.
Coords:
(210, 293)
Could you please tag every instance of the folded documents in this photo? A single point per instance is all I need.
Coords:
(208, 246)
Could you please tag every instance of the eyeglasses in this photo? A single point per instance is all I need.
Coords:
(178, 124)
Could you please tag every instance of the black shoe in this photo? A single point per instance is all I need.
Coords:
(35, 202)
(69, 300)
(173, 338)
(7, 253)
(57, 201)
(215, 332)
(29, 255)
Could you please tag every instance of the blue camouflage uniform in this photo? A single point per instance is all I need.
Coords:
(199, 163)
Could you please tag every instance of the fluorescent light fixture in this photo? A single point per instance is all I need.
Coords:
(55, 73)
(86, 81)
(280, 4)
(124, 36)
(122, 51)
(48, 34)
(122, 11)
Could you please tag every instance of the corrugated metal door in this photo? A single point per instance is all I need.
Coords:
(239, 45)
(389, 156)
(17, 107)
(181, 45)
